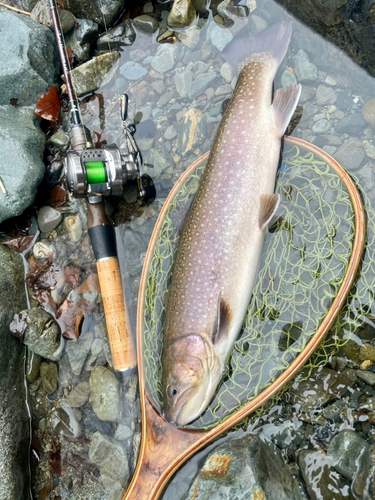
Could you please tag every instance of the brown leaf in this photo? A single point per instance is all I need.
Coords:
(62, 5)
(55, 461)
(59, 197)
(70, 54)
(41, 275)
(49, 105)
(73, 275)
(19, 244)
(77, 26)
(69, 317)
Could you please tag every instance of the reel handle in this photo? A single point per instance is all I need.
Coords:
(103, 242)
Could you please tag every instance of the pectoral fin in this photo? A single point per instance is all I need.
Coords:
(221, 325)
(268, 205)
(284, 104)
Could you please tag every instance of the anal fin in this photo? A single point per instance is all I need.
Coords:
(269, 203)
(284, 104)
(221, 325)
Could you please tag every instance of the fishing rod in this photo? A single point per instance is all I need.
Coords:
(92, 173)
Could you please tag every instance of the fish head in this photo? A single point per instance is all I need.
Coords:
(191, 374)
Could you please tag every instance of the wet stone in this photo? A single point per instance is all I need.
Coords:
(43, 249)
(305, 70)
(73, 225)
(368, 112)
(48, 219)
(190, 36)
(166, 57)
(339, 114)
(333, 411)
(182, 13)
(288, 78)
(158, 86)
(183, 81)
(170, 133)
(325, 96)
(97, 347)
(321, 480)
(64, 422)
(257, 24)
(78, 396)
(78, 350)
(352, 125)
(121, 35)
(123, 432)
(220, 37)
(344, 451)
(60, 140)
(159, 164)
(351, 154)
(363, 486)
(321, 126)
(41, 13)
(81, 39)
(368, 377)
(41, 334)
(370, 152)
(132, 70)
(246, 468)
(143, 93)
(331, 150)
(199, 85)
(145, 24)
(307, 94)
(367, 365)
(49, 375)
(105, 394)
(368, 176)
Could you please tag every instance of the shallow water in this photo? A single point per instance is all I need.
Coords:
(165, 162)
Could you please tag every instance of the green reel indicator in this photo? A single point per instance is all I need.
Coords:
(96, 172)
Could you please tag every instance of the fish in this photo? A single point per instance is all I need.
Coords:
(222, 239)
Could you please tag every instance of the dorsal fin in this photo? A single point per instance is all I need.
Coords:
(221, 325)
(268, 206)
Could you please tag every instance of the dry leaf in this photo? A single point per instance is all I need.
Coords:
(69, 317)
(49, 105)
(19, 244)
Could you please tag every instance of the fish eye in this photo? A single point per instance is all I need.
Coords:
(172, 391)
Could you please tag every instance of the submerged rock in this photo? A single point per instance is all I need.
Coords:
(49, 376)
(14, 420)
(41, 13)
(351, 154)
(182, 13)
(39, 331)
(22, 143)
(103, 12)
(344, 451)
(246, 468)
(165, 58)
(81, 39)
(368, 112)
(32, 62)
(193, 131)
(94, 73)
(105, 394)
(145, 24)
(305, 70)
(78, 350)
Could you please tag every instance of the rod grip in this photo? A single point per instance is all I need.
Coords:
(116, 315)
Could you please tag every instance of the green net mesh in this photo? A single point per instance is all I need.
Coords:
(303, 264)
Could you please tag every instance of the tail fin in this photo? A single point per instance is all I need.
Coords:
(270, 45)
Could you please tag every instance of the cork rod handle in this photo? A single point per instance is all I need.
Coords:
(116, 315)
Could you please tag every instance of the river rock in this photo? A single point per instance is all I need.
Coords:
(111, 458)
(182, 80)
(199, 85)
(220, 37)
(166, 57)
(32, 62)
(363, 486)
(32, 366)
(81, 39)
(182, 13)
(161, 166)
(321, 127)
(305, 70)
(344, 451)
(145, 24)
(103, 12)
(244, 469)
(73, 225)
(14, 419)
(352, 125)
(50, 377)
(41, 13)
(78, 350)
(368, 377)
(351, 154)
(132, 70)
(288, 78)
(325, 96)
(368, 112)
(64, 422)
(78, 396)
(22, 143)
(321, 386)
(121, 35)
(143, 93)
(95, 73)
(40, 332)
(257, 24)
(190, 36)
(193, 131)
(105, 394)
(48, 219)
(321, 480)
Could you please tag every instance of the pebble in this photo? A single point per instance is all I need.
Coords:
(330, 81)
(367, 365)
(322, 126)
(307, 93)
(41, 13)
(305, 70)
(78, 396)
(132, 70)
(42, 333)
(43, 249)
(182, 81)
(166, 57)
(325, 96)
(60, 140)
(190, 37)
(182, 13)
(288, 78)
(48, 219)
(199, 85)
(142, 93)
(344, 451)
(339, 114)
(145, 24)
(333, 411)
(220, 37)
(370, 151)
(158, 86)
(368, 177)
(97, 347)
(105, 394)
(331, 150)
(368, 377)
(78, 350)
(223, 90)
(64, 422)
(161, 165)
(123, 432)
(226, 72)
(170, 133)
(257, 24)
(148, 8)
(49, 376)
(367, 351)
(351, 154)
(352, 125)
(73, 225)
(368, 112)
(193, 131)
